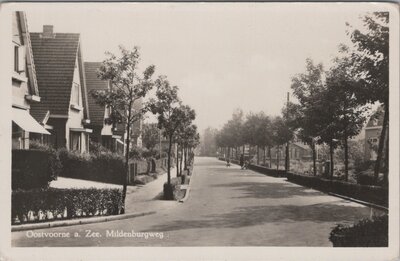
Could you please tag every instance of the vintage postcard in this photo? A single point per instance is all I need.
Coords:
(200, 131)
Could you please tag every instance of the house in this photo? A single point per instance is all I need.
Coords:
(297, 151)
(108, 135)
(61, 79)
(372, 134)
(25, 91)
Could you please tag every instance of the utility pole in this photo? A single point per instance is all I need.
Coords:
(287, 161)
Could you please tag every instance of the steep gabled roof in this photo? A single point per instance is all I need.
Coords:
(377, 118)
(94, 83)
(33, 85)
(55, 59)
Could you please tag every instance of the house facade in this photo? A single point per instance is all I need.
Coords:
(25, 91)
(373, 131)
(61, 78)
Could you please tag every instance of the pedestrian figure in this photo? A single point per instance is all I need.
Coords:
(228, 163)
(245, 164)
(241, 160)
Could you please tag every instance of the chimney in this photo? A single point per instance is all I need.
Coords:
(48, 31)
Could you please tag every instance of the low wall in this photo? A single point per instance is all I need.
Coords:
(261, 169)
(373, 194)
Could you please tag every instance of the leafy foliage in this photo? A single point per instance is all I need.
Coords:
(365, 233)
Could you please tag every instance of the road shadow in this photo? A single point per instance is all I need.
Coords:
(269, 190)
(258, 215)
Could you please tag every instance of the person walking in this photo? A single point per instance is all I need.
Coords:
(241, 161)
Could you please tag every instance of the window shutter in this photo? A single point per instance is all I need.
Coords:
(21, 58)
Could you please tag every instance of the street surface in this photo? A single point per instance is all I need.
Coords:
(226, 207)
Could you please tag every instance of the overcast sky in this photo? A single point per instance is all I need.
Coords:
(222, 56)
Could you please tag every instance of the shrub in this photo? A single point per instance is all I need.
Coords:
(34, 168)
(64, 203)
(364, 233)
(97, 148)
(104, 167)
(171, 190)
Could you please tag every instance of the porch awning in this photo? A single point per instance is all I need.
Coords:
(81, 130)
(26, 122)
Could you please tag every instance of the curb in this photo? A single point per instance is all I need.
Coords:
(187, 190)
(80, 221)
(359, 201)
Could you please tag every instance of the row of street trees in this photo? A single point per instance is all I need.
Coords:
(129, 85)
(332, 104)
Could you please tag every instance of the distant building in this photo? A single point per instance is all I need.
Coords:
(373, 131)
(297, 151)
(25, 91)
(61, 79)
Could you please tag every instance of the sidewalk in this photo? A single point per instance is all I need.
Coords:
(148, 198)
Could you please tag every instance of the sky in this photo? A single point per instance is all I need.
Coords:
(221, 56)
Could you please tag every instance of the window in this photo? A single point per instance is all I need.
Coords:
(75, 94)
(16, 58)
(75, 141)
(19, 58)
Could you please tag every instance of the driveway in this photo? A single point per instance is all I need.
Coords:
(226, 207)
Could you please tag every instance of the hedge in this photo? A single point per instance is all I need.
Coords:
(261, 169)
(34, 168)
(103, 167)
(365, 233)
(50, 204)
(372, 194)
(268, 171)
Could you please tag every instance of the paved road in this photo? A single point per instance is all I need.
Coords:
(226, 207)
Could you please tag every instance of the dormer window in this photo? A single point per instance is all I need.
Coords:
(75, 94)
(19, 58)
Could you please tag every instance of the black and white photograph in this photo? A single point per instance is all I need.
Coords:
(254, 130)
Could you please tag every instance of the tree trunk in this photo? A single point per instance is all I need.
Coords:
(177, 161)
(381, 143)
(346, 157)
(185, 159)
(127, 148)
(314, 159)
(258, 155)
(386, 171)
(182, 159)
(270, 157)
(287, 159)
(331, 156)
(264, 159)
(169, 161)
(278, 158)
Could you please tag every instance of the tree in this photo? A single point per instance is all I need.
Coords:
(344, 115)
(171, 114)
(307, 87)
(290, 114)
(127, 87)
(150, 136)
(371, 64)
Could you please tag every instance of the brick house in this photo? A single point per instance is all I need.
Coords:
(25, 91)
(372, 134)
(61, 79)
